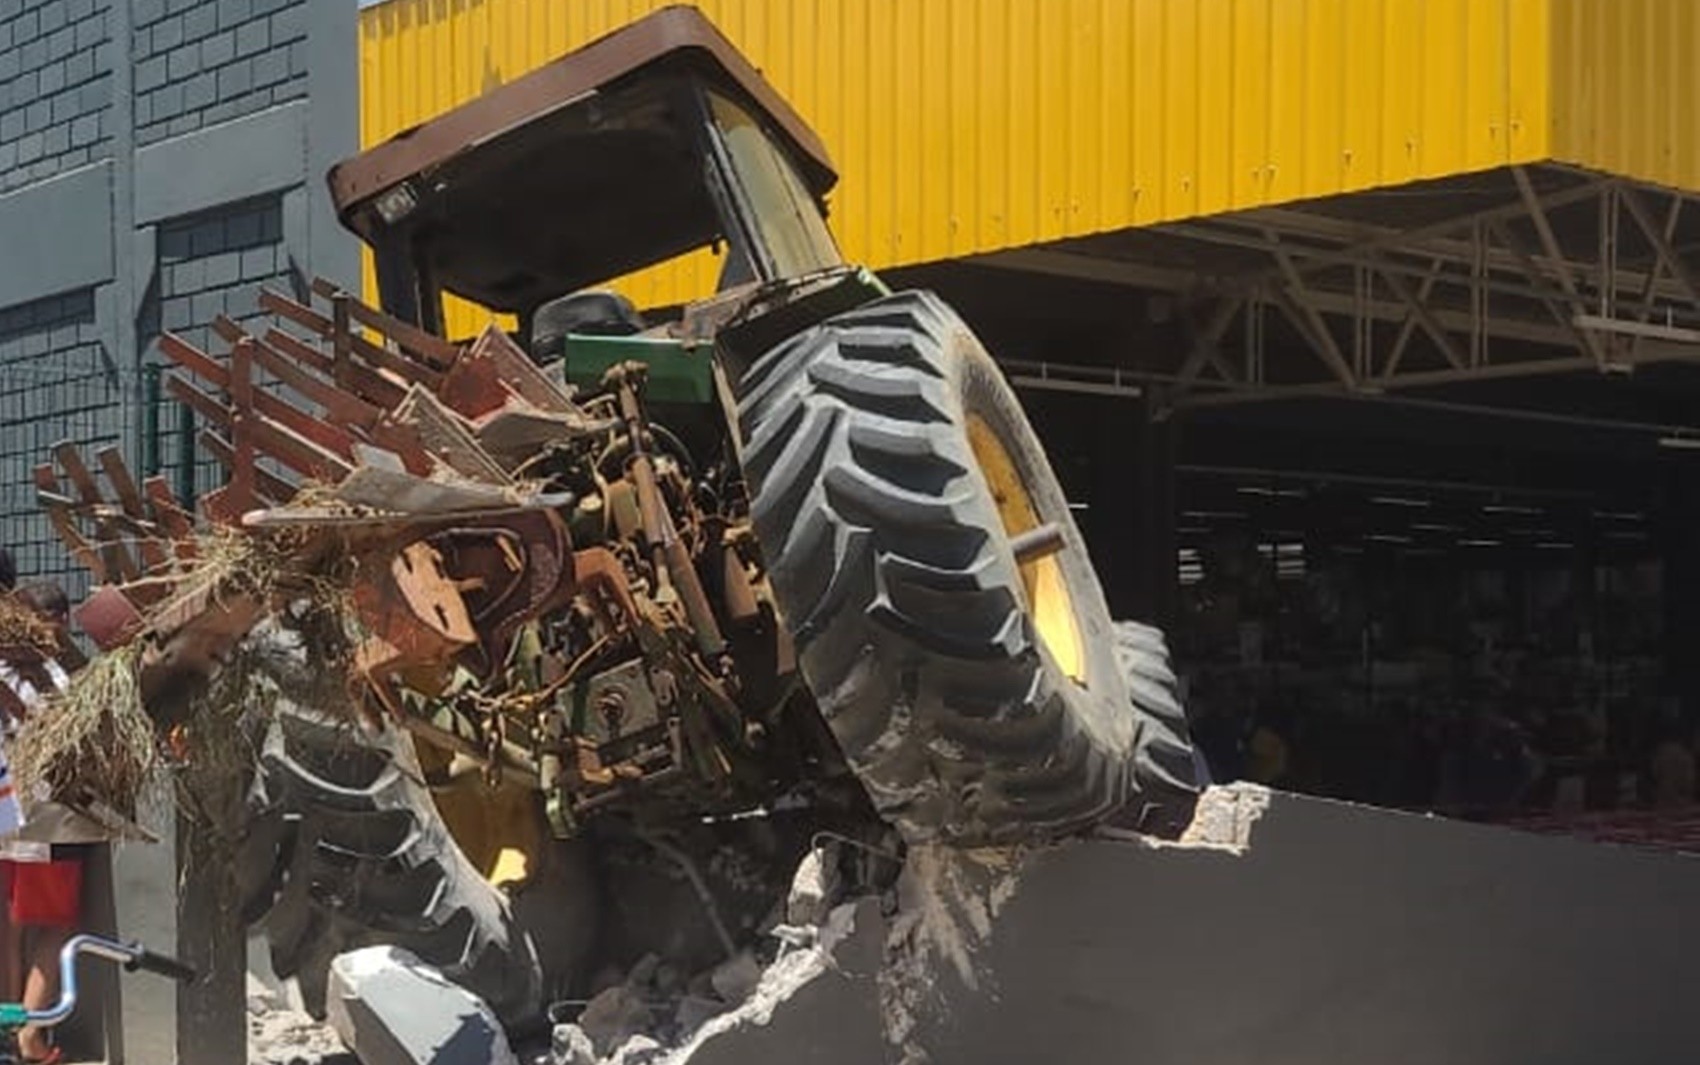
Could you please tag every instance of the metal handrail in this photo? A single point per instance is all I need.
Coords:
(128, 953)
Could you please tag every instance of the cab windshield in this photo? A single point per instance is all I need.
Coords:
(788, 228)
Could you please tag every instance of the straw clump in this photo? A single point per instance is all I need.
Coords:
(92, 744)
(95, 745)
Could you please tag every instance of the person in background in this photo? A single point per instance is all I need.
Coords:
(1499, 765)
(41, 868)
(49, 601)
(1672, 769)
(1268, 756)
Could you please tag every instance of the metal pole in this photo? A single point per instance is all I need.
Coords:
(186, 457)
(150, 421)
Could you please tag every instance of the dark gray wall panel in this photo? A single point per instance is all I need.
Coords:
(333, 73)
(211, 264)
(258, 154)
(158, 160)
(56, 235)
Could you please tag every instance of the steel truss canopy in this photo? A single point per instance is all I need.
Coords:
(1524, 271)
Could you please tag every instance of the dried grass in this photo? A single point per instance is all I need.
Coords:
(92, 744)
(222, 734)
(233, 562)
(95, 744)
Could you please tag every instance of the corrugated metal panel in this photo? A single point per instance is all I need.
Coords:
(964, 126)
(1626, 88)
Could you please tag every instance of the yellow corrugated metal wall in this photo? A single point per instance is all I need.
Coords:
(1626, 88)
(964, 126)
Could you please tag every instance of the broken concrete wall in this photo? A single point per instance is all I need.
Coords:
(1340, 934)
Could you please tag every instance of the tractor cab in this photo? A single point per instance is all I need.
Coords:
(654, 141)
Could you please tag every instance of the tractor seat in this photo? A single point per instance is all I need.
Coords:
(594, 312)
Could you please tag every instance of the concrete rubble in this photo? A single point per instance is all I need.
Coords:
(940, 913)
(1283, 930)
(1279, 930)
(655, 1018)
(392, 1009)
(278, 1035)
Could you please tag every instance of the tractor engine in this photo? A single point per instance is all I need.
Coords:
(655, 663)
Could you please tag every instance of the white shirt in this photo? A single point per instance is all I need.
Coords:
(11, 810)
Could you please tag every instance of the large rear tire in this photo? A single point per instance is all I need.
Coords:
(978, 698)
(344, 848)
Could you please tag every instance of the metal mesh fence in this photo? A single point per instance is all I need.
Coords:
(56, 383)
(209, 264)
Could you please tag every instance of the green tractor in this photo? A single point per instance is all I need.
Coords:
(805, 570)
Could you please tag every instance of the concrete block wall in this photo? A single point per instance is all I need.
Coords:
(218, 263)
(214, 263)
(200, 63)
(56, 61)
(160, 160)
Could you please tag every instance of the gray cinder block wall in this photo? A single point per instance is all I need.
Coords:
(160, 160)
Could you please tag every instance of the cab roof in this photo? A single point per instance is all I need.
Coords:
(522, 204)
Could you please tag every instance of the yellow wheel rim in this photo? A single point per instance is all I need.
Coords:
(1049, 602)
(498, 829)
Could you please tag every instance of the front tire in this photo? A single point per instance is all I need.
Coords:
(978, 699)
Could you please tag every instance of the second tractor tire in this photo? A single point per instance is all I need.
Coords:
(344, 848)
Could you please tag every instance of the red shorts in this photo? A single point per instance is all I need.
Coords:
(43, 894)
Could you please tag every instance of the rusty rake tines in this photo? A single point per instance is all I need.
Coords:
(246, 421)
(283, 409)
(426, 347)
(128, 533)
(316, 396)
(405, 352)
